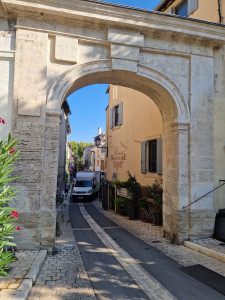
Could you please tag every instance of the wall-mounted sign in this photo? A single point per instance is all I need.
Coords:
(118, 158)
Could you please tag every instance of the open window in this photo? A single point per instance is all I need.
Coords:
(116, 115)
(151, 156)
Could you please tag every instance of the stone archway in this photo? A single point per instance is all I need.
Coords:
(61, 47)
(175, 114)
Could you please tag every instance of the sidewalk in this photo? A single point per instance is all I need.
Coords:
(63, 275)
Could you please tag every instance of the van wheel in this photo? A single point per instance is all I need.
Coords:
(74, 198)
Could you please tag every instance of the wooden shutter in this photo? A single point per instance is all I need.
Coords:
(111, 117)
(159, 157)
(143, 157)
(120, 121)
(192, 6)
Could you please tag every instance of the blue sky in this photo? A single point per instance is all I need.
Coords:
(88, 104)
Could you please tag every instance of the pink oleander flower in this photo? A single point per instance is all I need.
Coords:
(11, 151)
(18, 228)
(14, 214)
(2, 121)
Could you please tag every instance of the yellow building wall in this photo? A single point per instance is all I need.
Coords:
(141, 121)
(207, 10)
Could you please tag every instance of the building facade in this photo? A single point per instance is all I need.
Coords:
(134, 136)
(87, 152)
(98, 152)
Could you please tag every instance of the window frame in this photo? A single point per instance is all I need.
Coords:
(116, 115)
(146, 156)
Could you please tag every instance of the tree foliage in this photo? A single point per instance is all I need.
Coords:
(77, 148)
(8, 155)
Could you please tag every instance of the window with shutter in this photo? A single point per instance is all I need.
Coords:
(155, 156)
(192, 6)
(143, 157)
(116, 115)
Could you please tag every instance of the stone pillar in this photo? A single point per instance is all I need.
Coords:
(30, 82)
(176, 181)
(50, 169)
(202, 213)
(218, 127)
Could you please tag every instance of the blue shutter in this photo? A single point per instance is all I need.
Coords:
(120, 121)
(143, 157)
(192, 6)
(159, 157)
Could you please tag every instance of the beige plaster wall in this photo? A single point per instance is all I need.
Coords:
(208, 11)
(142, 121)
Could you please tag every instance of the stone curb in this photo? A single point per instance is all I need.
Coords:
(206, 251)
(23, 291)
(36, 266)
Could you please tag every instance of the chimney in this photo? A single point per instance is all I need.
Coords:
(99, 130)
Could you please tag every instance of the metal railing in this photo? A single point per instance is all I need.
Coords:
(219, 186)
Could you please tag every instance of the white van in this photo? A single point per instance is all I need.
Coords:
(86, 186)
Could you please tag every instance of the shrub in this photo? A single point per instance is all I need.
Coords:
(156, 193)
(8, 216)
(120, 205)
(134, 189)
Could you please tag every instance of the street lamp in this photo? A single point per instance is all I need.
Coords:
(98, 142)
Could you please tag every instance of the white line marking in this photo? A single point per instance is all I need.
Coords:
(149, 285)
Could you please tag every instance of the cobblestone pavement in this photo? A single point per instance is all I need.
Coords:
(153, 235)
(23, 273)
(63, 275)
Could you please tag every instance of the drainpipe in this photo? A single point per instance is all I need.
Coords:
(219, 10)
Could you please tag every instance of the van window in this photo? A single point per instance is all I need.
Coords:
(83, 183)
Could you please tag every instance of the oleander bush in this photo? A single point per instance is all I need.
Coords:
(8, 216)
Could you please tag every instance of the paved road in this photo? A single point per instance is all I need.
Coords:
(121, 266)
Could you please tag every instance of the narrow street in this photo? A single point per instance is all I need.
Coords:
(121, 266)
(103, 255)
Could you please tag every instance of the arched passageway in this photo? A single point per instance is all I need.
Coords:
(171, 60)
(175, 115)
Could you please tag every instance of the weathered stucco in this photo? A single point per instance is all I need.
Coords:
(71, 44)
